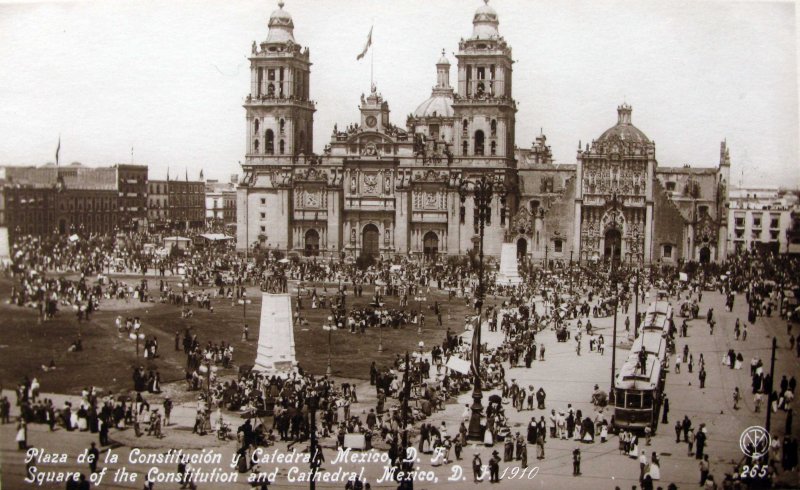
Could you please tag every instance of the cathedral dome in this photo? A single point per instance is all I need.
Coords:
(485, 22)
(438, 105)
(281, 26)
(624, 129)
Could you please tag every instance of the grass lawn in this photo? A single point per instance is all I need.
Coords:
(108, 357)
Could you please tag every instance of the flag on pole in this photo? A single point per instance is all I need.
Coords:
(58, 149)
(366, 46)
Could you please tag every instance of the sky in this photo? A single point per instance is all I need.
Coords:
(168, 79)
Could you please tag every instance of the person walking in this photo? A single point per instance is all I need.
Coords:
(702, 376)
(700, 439)
(494, 468)
(736, 397)
(665, 410)
(477, 468)
(576, 462)
(22, 434)
(704, 469)
(93, 457)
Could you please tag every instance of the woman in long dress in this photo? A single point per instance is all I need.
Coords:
(488, 440)
(655, 467)
(22, 435)
(633, 449)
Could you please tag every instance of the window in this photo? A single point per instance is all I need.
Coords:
(739, 221)
(633, 400)
(281, 147)
(263, 215)
(263, 200)
(464, 148)
(558, 246)
(255, 125)
(703, 210)
(493, 128)
(756, 222)
(269, 142)
(493, 147)
(774, 234)
(667, 251)
(774, 222)
(465, 126)
(263, 229)
(671, 186)
(534, 206)
(479, 142)
(282, 126)
(647, 399)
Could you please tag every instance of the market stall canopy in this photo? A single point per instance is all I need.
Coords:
(458, 365)
(216, 237)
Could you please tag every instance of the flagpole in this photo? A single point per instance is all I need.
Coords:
(371, 61)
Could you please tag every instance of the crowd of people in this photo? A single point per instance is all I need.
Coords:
(53, 273)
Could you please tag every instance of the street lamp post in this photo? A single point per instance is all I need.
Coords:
(546, 250)
(419, 298)
(313, 404)
(482, 192)
(137, 337)
(329, 328)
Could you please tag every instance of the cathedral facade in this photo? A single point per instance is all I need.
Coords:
(383, 190)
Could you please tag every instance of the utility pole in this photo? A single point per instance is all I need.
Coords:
(772, 382)
(613, 277)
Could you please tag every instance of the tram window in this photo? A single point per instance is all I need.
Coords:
(619, 399)
(647, 399)
(633, 400)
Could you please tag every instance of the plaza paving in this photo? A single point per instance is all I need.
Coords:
(566, 378)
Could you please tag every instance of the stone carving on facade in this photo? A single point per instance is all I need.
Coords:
(607, 177)
(431, 200)
(706, 230)
(370, 150)
(520, 224)
(371, 183)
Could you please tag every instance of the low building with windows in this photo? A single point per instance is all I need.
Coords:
(761, 219)
(221, 202)
(186, 201)
(157, 204)
(67, 199)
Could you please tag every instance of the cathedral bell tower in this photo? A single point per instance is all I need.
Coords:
(484, 108)
(280, 114)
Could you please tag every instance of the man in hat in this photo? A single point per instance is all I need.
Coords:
(477, 467)
(167, 410)
(494, 467)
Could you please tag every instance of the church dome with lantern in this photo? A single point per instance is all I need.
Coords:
(281, 26)
(624, 129)
(485, 22)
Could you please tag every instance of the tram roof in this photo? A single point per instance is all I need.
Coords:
(629, 378)
(653, 342)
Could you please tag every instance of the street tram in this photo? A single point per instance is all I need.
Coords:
(639, 384)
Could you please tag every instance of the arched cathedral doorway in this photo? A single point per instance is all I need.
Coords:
(430, 245)
(705, 255)
(522, 247)
(312, 243)
(613, 245)
(369, 241)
